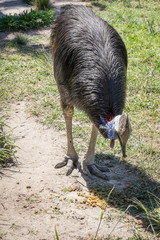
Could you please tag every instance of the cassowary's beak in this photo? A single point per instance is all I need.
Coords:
(112, 142)
(123, 147)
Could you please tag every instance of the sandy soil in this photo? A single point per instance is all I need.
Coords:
(36, 197)
(8, 7)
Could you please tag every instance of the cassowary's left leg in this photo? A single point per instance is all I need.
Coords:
(71, 159)
(89, 166)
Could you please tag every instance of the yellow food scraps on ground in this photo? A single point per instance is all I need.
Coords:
(93, 200)
(72, 189)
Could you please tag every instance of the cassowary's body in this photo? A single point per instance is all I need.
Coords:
(90, 63)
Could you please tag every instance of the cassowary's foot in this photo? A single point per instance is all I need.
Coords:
(95, 169)
(90, 168)
(71, 164)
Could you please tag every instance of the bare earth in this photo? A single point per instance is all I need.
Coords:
(35, 197)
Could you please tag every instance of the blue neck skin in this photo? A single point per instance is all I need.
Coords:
(109, 126)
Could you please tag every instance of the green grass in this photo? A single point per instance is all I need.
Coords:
(19, 40)
(7, 151)
(25, 21)
(56, 233)
(27, 74)
(42, 4)
(151, 216)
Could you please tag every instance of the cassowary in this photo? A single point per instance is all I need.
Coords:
(90, 64)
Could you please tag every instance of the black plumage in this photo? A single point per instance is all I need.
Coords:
(90, 64)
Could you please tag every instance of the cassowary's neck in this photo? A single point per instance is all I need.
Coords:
(109, 128)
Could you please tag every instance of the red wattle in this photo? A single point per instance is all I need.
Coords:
(109, 119)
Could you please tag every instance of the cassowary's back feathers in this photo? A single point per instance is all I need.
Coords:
(90, 62)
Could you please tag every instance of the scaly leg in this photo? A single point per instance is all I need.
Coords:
(71, 159)
(89, 166)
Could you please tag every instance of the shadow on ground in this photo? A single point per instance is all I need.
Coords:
(128, 186)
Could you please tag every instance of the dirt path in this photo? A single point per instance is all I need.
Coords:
(36, 197)
(8, 7)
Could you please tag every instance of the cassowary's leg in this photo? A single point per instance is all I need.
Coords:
(89, 166)
(71, 159)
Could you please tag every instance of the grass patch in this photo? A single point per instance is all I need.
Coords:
(100, 4)
(42, 4)
(19, 40)
(151, 216)
(25, 21)
(7, 152)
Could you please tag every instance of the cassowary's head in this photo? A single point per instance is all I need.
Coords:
(123, 131)
(120, 128)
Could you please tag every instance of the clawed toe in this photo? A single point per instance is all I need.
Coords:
(61, 164)
(70, 167)
(96, 170)
(70, 162)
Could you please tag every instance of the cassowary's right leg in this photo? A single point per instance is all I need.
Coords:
(71, 159)
(89, 165)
